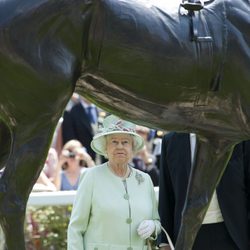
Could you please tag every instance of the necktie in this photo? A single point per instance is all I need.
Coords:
(91, 112)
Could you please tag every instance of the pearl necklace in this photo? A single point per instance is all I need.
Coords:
(126, 175)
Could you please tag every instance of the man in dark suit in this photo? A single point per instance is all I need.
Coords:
(225, 226)
(79, 123)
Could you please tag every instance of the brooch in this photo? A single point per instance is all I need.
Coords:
(139, 178)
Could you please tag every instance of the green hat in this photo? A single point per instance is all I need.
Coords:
(115, 125)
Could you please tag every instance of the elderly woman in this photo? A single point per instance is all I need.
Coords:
(115, 206)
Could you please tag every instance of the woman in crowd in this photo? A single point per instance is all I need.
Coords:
(73, 160)
(46, 178)
(115, 206)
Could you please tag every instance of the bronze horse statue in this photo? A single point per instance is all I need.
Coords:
(182, 66)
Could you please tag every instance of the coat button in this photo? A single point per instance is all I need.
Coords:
(126, 196)
(129, 220)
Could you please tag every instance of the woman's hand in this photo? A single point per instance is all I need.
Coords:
(81, 154)
(146, 229)
(64, 156)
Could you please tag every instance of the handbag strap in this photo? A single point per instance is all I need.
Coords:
(168, 237)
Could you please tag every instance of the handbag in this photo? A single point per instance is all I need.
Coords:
(152, 246)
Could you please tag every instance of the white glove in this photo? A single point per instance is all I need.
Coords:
(146, 228)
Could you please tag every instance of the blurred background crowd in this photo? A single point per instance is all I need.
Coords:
(70, 152)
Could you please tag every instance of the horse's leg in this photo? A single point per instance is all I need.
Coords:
(211, 160)
(28, 152)
(5, 143)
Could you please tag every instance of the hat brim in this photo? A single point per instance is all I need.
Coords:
(98, 143)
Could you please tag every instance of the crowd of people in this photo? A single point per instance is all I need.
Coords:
(70, 152)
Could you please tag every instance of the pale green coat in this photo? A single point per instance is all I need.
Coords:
(105, 216)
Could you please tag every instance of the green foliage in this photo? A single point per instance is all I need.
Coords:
(46, 227)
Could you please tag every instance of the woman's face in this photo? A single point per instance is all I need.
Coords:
(119, 148)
